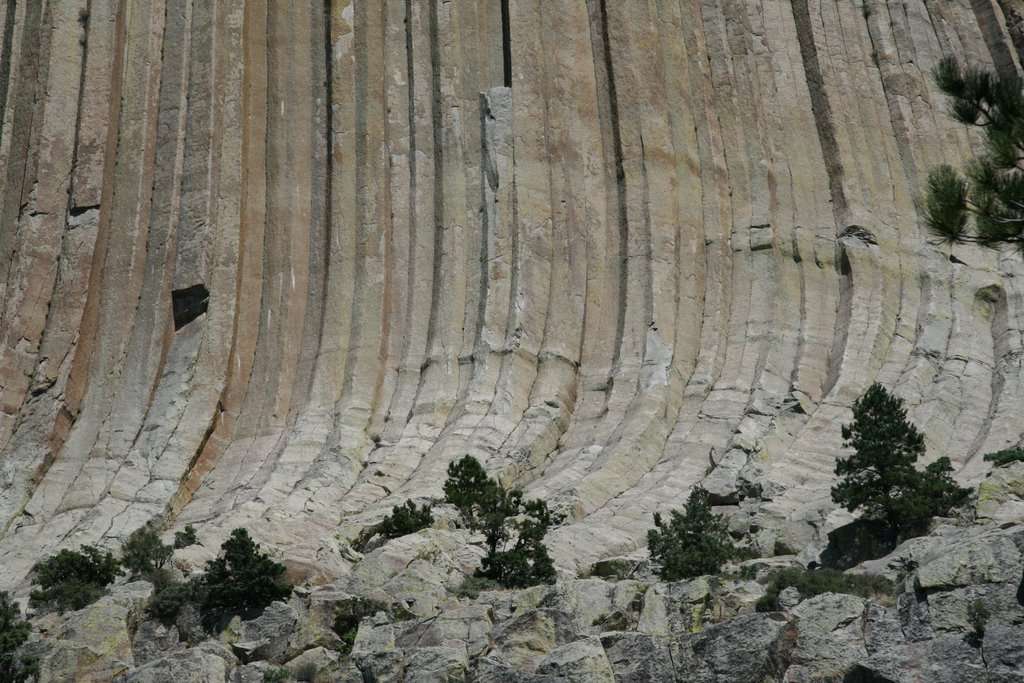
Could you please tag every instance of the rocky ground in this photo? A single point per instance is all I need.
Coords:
(618, 624)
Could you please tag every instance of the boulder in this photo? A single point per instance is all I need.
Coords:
(789, 597)
(470, 627)
(524, 641)
(951, 659)
(437, 664)
(1001, 494)
(317, 665)
(990, 558)
(95, 643)
(491, 670)
(675, 608)
(417, 569)
(638, 657)
(829, 635)
(270, 636)
(1003, 651)
(615, 568)
(196, 665)
(582, 661)
(595, 603)
(751, 647)
(321, 608)
(949, 610)
(153, 640)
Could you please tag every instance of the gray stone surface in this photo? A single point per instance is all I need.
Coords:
(605, 280)
(196, 665)
(591, 630)
(671, 246)
(581, 661)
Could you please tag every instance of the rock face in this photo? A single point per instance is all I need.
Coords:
(276, 264)
(598, 631)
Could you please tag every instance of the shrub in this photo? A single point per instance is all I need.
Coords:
(161, 578)
(185, 537)
(277, 674)
(1005, 457)
(748, 572)
(880, 477)
(143, 553)
(348, 617)
(307, 672)
(167, 602)
(513, 527)
(14, 631)
(472, 586)
(72, 579)
(241, 580)
(815, 582)
(694, 542)
(782, 548)
(403, 520)
(977, 617)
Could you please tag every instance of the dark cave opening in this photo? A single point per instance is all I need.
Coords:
(188, 304)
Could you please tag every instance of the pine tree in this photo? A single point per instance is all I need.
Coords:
(694, 542)
(14, 631)
(469, 489)
(992, 190)
(516, 554)
(186, 537)
(404, 520)
(242, 579)
(880, 478)
(513, 527)
(72, 579)
(144, 553)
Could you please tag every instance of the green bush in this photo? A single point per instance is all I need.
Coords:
(748, 572)
(348, 617)
(472, 586)
(815, 582)
(403, 520)
(977, 617)
(513, 527)
(143, 553)
(72, 579)
(277, 674)
(694, 542)
(241, 580)
(880, 477)
(1005, 457)
(185, 537)
(14, 631)
(167, 602)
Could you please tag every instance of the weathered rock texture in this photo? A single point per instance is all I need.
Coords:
(598, 631)
(611, 248)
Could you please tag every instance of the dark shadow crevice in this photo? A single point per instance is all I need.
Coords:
(189, 303)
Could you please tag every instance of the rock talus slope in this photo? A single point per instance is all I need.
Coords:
(611, 248)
